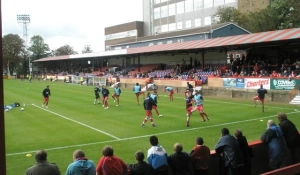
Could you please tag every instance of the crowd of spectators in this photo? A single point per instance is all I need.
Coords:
(283, 142)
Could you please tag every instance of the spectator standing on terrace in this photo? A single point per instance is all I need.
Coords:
(246, 150)
(229, 149)
(199, 105)
(46, 94)
(278, 151)
(117, 94)
(200, 157)
(141, 167)
(154, 97)
(171, 92)
(42, 166)
(97, 96)
(180, 162)
(261, 92)
(81, 165)
(291, 136)
(138, 91)
(297, 66)
(110, 164)
(157, 157)
(148, 103)
(105, 94)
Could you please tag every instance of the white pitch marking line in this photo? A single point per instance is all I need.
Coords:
(78, 122)
(138, 137)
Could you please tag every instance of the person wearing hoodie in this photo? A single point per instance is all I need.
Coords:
(81, 165)
(278, 150)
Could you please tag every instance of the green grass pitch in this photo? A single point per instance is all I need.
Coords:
(73, 122)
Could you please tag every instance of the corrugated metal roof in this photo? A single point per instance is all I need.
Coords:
(263, 37)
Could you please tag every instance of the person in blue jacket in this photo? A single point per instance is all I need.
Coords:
(81, 165)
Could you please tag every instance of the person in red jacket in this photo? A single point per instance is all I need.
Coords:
(200, 157)
(110, 164)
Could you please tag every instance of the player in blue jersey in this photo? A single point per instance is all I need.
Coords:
(138, 91)
(199, 105)
(154, 88)
(154, 97)
(117, 94)
(171, 92)
(261, 92)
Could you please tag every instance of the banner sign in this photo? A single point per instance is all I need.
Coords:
(284, 84)
(234, 82)
(254, 83)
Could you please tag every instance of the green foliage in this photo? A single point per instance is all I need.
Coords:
(281, 14)
(13, 49)
(73, 122)
(39, 49)
(87, 49)
(65, 50)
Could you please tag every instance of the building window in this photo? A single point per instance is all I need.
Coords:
(171, 9)
(164, 28)
(189, 6)
(150, 44)
(229, 1)
(208, 3)
(164, 11)
(157, 13)
(127, 46)
(188, 24)
(198, 22)
(172, 26)
(159, 43)
(198, 4)
(218, 2)
(157, 30)
(179, 40)
(180, 7)
(156, 1)
(179, 25)
(169, 42)
(207, 20)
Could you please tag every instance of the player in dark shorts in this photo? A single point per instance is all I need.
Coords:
(97, 95)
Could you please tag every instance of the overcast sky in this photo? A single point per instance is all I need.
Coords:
(73, 22)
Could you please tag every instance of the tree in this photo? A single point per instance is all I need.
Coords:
(14, 52)
(65, 50)
(87, 49)
(231, 14)
(38, 48)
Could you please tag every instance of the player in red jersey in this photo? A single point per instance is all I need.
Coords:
(189, 107)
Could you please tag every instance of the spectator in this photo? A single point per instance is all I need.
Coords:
(157, 157)
(291, 136)
(110, 164)
(229, 149)
(278, 150)
(180, 162)
(200, 157)
(246, 150)
(42, 166)
(81, 165)
(141, 167)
